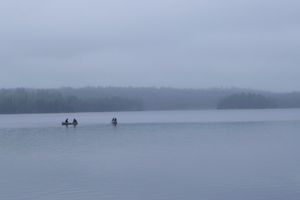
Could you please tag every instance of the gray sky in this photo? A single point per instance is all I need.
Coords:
(175, 43)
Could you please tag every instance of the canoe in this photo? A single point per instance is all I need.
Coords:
(70, 123)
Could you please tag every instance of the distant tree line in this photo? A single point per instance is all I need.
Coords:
(52, 101)
(246, 101)
(97, 99)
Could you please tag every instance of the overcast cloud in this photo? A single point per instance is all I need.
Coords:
(173, 43)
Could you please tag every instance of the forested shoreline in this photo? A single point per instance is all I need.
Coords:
(100, 99)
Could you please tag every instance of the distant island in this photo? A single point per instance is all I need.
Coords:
(246, 101)
(100, 99)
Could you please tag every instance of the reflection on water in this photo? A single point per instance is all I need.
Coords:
(200, 159)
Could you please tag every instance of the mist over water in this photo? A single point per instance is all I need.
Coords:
(178, 43)
(152, 155)
(171, 60)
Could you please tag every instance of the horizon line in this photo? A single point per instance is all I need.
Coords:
(149, 87)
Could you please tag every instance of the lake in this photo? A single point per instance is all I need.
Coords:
(157, 155)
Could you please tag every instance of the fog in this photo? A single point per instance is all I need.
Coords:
(169, 43)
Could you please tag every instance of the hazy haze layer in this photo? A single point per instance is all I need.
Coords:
(177, 43)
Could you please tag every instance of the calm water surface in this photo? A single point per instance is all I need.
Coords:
(171, 155)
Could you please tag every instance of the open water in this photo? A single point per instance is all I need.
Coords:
(163, 155)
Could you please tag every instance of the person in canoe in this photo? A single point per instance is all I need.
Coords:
(75, 122)
(114, 121)
(67, 123)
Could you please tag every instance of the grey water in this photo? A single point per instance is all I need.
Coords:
(158, 155)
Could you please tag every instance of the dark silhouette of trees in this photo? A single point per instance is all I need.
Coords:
(246, 101)
(52, 101)
(97, 99)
